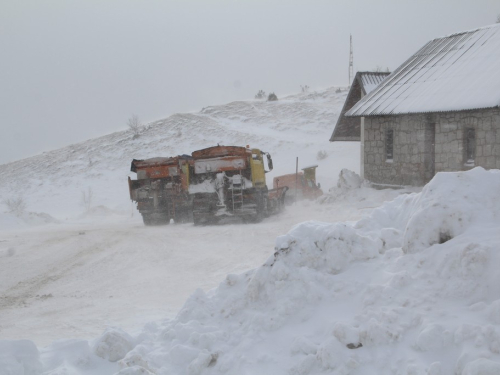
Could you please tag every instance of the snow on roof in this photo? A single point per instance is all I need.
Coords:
(451, 73)
(370, 80)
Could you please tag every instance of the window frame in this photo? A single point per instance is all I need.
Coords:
(470, 146)
(389, 145)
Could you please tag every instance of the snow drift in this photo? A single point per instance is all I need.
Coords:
(412, 289)
(25, 219)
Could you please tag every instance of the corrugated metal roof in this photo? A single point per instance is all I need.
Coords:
(452, 73)
(370, 80)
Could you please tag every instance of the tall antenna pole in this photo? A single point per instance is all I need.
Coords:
(351, 73)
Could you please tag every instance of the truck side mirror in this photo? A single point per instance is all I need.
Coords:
(269, 162)
(319, 185)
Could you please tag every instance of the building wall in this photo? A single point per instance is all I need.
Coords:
(450, 139)
(425, 144)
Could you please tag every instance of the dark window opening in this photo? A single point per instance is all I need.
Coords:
(470, 146)
(389, 144)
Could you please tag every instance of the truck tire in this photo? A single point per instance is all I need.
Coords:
(181, 216)
(204, 209)
(197, 220)
(260, 210)
(155, 219)
(200, 219)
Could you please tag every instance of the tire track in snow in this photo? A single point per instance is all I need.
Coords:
(19, 294)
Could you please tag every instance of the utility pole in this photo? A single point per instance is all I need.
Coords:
(351, 72)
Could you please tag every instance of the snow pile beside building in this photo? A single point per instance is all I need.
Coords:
(347, 183)
(349, 180)
(438, 220)
(358, 193)
(412, 289)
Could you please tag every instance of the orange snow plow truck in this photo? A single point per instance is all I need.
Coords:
(302, 185)
(161, 189)
(230, 181)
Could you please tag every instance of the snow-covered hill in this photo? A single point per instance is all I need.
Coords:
(297, 125)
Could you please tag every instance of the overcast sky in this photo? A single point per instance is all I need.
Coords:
(74, 70)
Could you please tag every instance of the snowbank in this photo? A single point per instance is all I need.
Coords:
(412, 289)
(347, 183)
(359, 193)
(19, 357)
(11, 221)
(38, 218)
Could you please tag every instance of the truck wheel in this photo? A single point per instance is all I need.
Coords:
(181, 216)
(155, 219)
(146, 219)
(198, 219)
(258, 216)
(261, 208)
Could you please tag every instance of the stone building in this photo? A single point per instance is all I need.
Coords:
(439, 111)
(348, 128)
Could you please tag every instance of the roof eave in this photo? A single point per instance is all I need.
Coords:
(421, 112)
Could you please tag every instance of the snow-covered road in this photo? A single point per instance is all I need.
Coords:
(74, 279)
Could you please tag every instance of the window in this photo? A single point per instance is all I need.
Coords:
(389, 144)
(470, 146)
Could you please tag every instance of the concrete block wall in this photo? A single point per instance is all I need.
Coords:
(409, 151)
(451, 143)
(415, 159)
